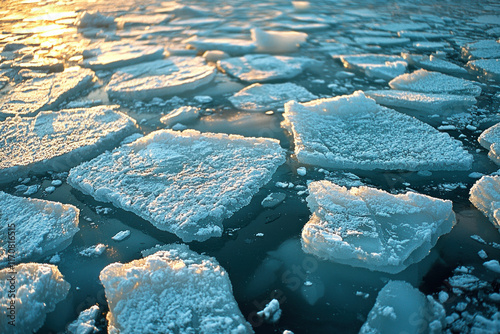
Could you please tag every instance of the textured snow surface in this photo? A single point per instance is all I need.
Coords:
(370, 228)
(40, 227)
(434, 82)
(85, 324)
(352, 131)
(34, 95)
(59, 140)
(234, 47)
(186, 182)
(39, 287)
(375, 65)
(490, 140)
(400, 308)
(488, 68)
(263, 97)
(171, 291)
(277, 41)
(263, 68)
(485, 195)
(165, 77)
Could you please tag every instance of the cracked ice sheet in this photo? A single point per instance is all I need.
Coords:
(41, 227)
(375, 65)
(59, 140)
(34, 95)
(354, 132)
(485, 195)
(490, 140)
(184, 291)
(165, 77)
(186, 182)
(370, 228)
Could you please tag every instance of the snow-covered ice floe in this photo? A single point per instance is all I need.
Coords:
(59, 140)
(354, 132)
(35, 227)
(39, 287)
(485, 195)
(165, 77)
(370, 228)
(234, 47)
(375, 65)
(490, 140)
(185, 182)
(400, 308)
(277, 41)
(263, 68)
(434, 82)
(487, 68)
(487, 48)
(174, 290)
(263, 97)
(85, 324)
(433, 63)
(34, 95)
(182, 115)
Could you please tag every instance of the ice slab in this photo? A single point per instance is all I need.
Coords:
(35, 227)
(271, 312)
(182, 115)
(93, 19)
(433, 63)
(400, 308)
(481, 49)
(59, 140)
(370, 228)
(140, 19)
(485, 195)
(490, 140)
(171, 291)
(263, 97)
(353, 132)
(234, 47)
(434, 82)
(382, 41)
(39, 287)
(277, 41)
(424, 35)
(398, 26)
(85, 324)
(34, 95)
(185, 182)
(375, 65)
(165, 77)
(263, 68)
(487, 68)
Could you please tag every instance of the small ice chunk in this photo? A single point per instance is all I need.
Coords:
(398, 26)
(482, 254)
(179, 127)
(213, 56)
(50, 189)
(203, 99)
(271, 312)
(493, 265)
(93, 251)
(487, 68)
(433, 63)
(85, 324)
(55, 259)
(234, 47)
(56, 183)
(495, 297)
(443, 297)
(485, 195)
(375, 65)
(277, 41)
(490, 140)
(488, 48)
(476, 175)
(33, 189)
(93, 19)
(382, 41)
(121, 235)
(302, 171)
(273, 200)
(184, 114)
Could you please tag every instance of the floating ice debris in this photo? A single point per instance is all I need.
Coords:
(481, 49)
(271, 312)
(190, 293)
(433, 63)
(55, 259)
(35, 227)
(493, 265)
(465, 282)
(203, 99)
(95, 250)
(147, 19)
(398, 26)
(485, 195)
(263, 68)
(370, 228)
(273, 200)
(93, 19)
(490, 140)
(121, 235)
(423, 46)
(263, 97)
(353, 132)
(60, 140)
(375, 65)
(85, 324)
(302, 171)
(487, 68)
(34, 95)
(277, 41)
(39, 287)
(234, 47)
(213, 56)
(402, 308)
(185, 182)
(33, 189)
(56, 183)
(110, 55)
(424, 35)
(197, 22)
(165, 77)
(434, 82)
(179, 10)
(382, 41)
(184, 114)
(179, 127)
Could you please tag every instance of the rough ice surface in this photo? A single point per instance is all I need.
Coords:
(485, 195)
(234, 47)
(39, 287)
(433, 63)
(434, 82)
(353, 132)
(400, 308)
(183, 115)
(488, 48)
(165, 77)
(185, 182)
(263, 68)
(370, 228)
(40, 227)
(59, 140)
(375, 65)
(85, 324)
(263, 97)
(487, 68)
(490, 140)
(271, 312)
(277, 41)
(93, 19)
(34, 95)
(183, 292)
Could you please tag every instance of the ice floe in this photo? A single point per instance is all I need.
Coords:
(485, 195)
(277, 41)
(488, 48)
(185, 182)
(382, 41)
(376, 65)
(353, 132)
(487, 68)
(94, 19)
(59, 140)
(234, 47)
(370, 228)
(183, 115)
(183, 291)
(433, 63)
(490, 140)
(271, 312)
(85, 324)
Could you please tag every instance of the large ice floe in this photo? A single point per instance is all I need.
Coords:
(165, 77)
(377, 66)
(490, 140)
(277, 41)
(400, 308)
(263, 68)
(487, 68)
(354, 132)
(34, 95)
(185, 182)
(485, 195)
(59, 140)
(370, 228)
(39, 287)
(234, 47)
(173, 290)
(262, 97)
(34, 227)
(434, 82)
(487, 48)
